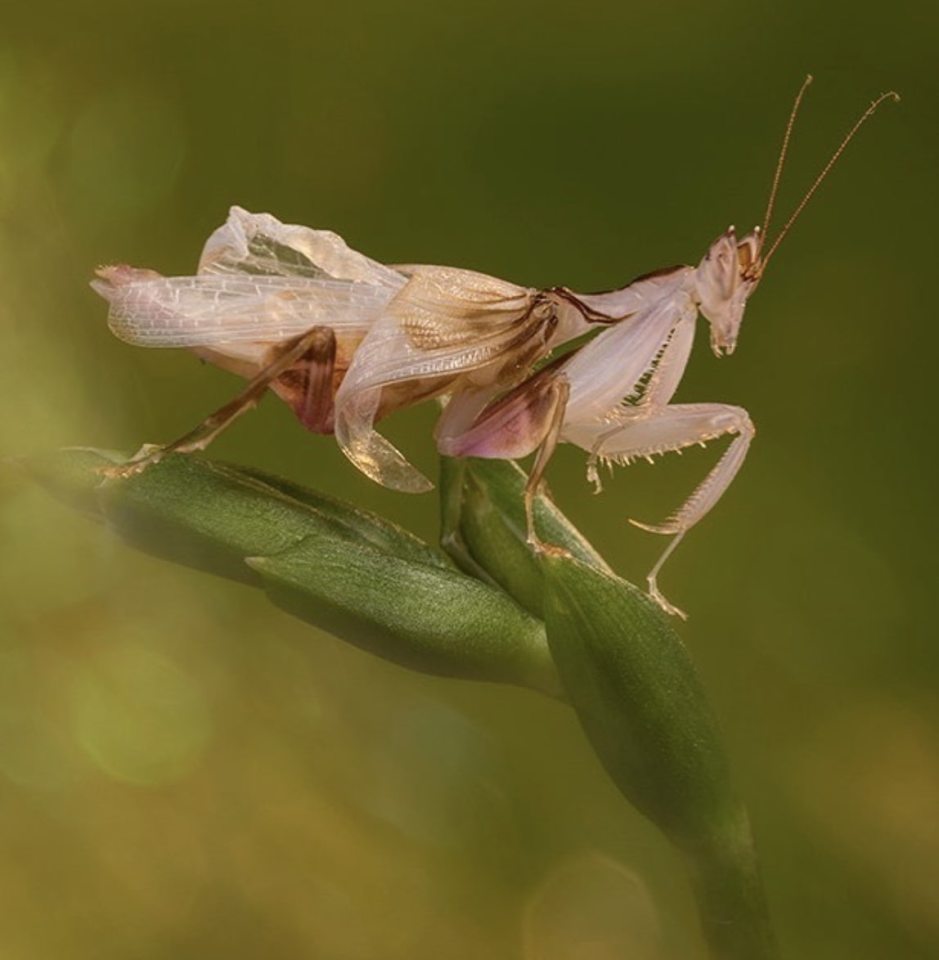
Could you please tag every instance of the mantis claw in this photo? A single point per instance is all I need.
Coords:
(146, 456)
(656, 595)
(593, 475)
(664, 529)
(546, 549)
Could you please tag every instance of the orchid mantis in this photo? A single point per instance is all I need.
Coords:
(345, 340)
(612, 396)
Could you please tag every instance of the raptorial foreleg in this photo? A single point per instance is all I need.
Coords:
(665, 369)
(656, 430)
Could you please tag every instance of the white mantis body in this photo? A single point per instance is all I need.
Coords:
(345, 340)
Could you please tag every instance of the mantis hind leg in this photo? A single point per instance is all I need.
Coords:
(317, 346)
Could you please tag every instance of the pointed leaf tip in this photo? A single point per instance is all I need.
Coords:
(418, 615)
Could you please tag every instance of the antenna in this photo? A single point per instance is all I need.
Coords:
(782, 155)
(865, 116)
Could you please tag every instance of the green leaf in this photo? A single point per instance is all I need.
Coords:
(641, 704)
(211, 515)
(72, 475)
(337, 567)
(419, 615)
(371, 527)
(638, 695)
(486, 506)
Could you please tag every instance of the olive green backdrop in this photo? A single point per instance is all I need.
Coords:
(185, 772)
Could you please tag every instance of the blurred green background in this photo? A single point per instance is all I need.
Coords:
(186, 772)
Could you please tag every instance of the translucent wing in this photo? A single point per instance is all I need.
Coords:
(257, 243)
(444, 321)
(153, 311)
(444, 324)
(259, 280)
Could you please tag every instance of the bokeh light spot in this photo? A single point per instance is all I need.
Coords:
(591, 908)
(139, 717)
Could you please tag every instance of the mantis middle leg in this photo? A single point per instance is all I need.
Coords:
(527, 419)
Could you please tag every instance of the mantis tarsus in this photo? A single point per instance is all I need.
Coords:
(345, 340)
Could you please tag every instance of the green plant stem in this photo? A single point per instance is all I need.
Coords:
(728, 890)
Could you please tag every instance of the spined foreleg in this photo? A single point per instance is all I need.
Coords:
(657, 430)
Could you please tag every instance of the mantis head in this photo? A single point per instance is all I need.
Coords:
(724, 279)
(732, 268)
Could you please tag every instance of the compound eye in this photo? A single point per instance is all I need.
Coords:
(748, 253)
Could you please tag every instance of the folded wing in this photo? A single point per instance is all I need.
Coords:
(208, 310)
(257, 243)
(258, 281)
(446, 329)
